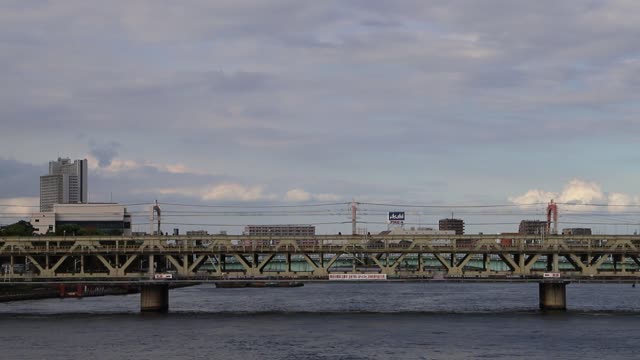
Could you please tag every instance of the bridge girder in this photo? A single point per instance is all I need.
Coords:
(250, 256)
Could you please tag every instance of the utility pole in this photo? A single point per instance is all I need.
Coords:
(155, 209)
(354, 212)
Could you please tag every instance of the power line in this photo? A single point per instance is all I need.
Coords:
(100, 204)
(242, 225)
(443, 206)
(500, 223)
(600, 205)
(253, 206)
(449, 206)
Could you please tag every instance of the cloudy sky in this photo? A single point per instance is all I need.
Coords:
(303, 102)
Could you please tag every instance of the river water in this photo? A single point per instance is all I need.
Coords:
(332, 321)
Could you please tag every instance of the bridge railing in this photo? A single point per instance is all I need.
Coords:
(327, 244)
(371, 241)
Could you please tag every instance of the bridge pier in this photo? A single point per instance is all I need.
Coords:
(553, 295)
(154, 298)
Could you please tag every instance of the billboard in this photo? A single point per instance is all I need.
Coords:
(396, 217)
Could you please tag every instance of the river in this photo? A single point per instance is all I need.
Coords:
(332, 321)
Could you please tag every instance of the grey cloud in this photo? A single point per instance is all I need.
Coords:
(238, 82)
(498, 78)
(104, 152)
(270, 87)
(19, 179)
(380, 23)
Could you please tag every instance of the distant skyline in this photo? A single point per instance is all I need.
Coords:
(299, 102)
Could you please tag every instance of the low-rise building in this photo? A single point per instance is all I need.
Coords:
(276, 231)
(532, 227)
(43, 222)
(456, 225)
(103, 218)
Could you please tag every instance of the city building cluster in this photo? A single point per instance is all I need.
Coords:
(65, 210)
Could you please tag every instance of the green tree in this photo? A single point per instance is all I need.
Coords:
(21, 228)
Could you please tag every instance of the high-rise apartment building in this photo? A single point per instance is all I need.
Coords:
(66, 183)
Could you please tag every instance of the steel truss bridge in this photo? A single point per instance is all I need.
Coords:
(140, 259)
(610, 257)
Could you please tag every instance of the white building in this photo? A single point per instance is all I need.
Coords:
(106, 218)
(66, 183)
(43, 222)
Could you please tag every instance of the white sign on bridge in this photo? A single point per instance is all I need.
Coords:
(357, 276)
(551, 275)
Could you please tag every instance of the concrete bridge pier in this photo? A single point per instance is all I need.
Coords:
(154, 298)
(553, 295)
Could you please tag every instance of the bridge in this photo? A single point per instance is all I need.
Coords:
(154, 262)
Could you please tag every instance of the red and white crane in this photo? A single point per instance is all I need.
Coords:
(552, 215)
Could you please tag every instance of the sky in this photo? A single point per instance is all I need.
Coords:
(264, 103)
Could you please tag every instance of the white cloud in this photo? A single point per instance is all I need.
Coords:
(577, 191)
(218, 192)
(232, 192)
(297, 195)
(327, 197)
(118, 165)
(20, 206)
(122, 165)
(533, 197)
(620, 201)
(581, 192)
(238, 192)
(171, 191)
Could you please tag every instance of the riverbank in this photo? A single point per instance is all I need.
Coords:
(36, 292)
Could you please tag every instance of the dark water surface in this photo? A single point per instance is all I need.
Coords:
(331, 321)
